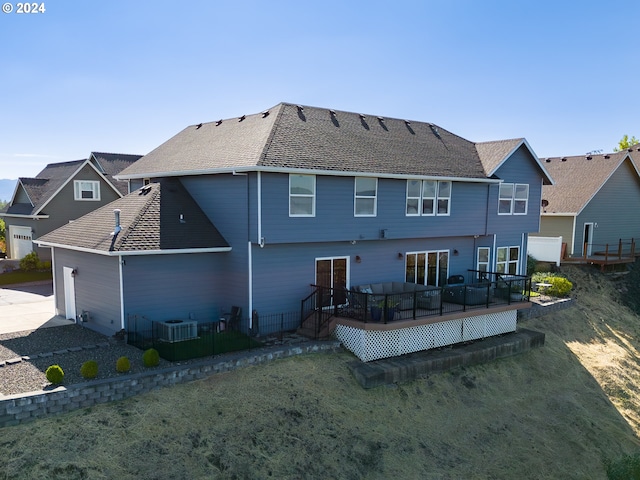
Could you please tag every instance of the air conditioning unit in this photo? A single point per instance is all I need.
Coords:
(177, 330)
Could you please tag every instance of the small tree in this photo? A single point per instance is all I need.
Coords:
(625, 143)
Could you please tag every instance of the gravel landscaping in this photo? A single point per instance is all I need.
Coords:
(25, 356)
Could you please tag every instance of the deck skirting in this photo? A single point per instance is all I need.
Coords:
(370, 345)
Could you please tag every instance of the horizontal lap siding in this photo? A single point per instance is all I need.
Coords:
(556, 226)
(96, 288)
(282, 274)
(615, 210)
(165, 287)
(223, 198)
(335, 221)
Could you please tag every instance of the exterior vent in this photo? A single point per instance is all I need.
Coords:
(176, 330)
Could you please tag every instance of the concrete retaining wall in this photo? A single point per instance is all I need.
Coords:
(16, 409)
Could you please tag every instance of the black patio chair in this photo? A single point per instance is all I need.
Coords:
(232, 319)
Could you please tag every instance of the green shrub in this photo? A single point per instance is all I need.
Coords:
(151, 358)
(89, 369)
(29, 262)
(123, 365)
(531, 264)
(55, 374)
(560, 286)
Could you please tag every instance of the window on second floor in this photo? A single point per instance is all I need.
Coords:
(428, 197)
(366, 193)
(302, 195)
(86, 190)
(514, 199)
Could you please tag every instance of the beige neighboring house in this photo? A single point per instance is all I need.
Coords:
(60, 193)
(594, 202)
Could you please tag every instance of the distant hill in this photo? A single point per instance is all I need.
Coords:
(6, 189)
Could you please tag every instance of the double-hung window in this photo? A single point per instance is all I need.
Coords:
(514, 199)
(366, 193)
(507, 260)
(428, 197)
(86, 190)
(302, 195)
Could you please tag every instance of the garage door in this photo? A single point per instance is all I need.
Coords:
(21, 241)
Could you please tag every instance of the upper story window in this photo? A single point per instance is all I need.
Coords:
(366, 194)
(428, 197)
(86, 190)
(514, 199)
(302, 195)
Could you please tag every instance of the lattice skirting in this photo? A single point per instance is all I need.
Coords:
(370, 345)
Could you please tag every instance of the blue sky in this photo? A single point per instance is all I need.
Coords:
(125, 76)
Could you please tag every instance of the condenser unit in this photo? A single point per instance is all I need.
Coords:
(177, 330)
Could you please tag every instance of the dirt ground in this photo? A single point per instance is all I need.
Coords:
(559, 411)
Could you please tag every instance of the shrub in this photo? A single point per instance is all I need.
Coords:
(89, 369)
(560, 286)
(55, 374)
(29, 262)
(123, 365)
(151, 358)
(531, 264)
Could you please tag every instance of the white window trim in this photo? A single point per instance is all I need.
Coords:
(508, 261)
(513, 199)
(436, 198)
(299, 195)
(77, 190)
(356, 197)
(426, 265)
(488, 262)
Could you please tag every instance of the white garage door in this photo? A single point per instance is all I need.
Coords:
(21, 241)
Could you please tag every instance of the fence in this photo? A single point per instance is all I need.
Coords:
(545, 249)
(177, 340)
(488, 290)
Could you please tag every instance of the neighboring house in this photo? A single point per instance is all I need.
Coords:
(298, 196)
(594, 201)
(60, 193)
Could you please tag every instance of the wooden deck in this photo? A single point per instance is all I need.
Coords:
(606, 255)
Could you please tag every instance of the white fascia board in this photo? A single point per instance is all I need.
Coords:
(559, 214)
(304, 171)
(533, 154)
(30, 217)
(133, 252)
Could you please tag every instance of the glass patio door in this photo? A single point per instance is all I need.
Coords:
(332, 273)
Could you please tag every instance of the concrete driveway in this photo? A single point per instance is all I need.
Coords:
(28, 307)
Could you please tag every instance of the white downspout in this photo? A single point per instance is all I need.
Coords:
(250, 259)
(120, 276)
(259, 187)
(55, 283)
(494, 263)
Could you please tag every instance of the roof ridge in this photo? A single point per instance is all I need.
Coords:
(274, 128)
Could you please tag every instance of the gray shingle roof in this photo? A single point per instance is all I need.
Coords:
(150, 220)
(578, 178)
(492, 154)
(112, 164)
(316, 139)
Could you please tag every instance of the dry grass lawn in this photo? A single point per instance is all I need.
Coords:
(560, 411)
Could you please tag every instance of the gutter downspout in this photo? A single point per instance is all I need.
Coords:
(121, 279)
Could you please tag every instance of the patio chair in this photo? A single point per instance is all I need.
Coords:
(232, 319)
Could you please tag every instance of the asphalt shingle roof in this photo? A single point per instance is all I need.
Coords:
(578, 178)
(315, 139)
(159, 216)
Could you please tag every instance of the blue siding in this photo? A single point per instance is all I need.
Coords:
(97, 288)
(520, 168)
(614, 209)
(335, 220)
(282, 274)
(165, 287)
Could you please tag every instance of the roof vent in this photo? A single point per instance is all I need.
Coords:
(332, 113)
(242, 118)
(607, 156)
(218, 123)
(564, 159)
(589, 157)
(198, 126)
(407, 122)
(265, 114)
(434, 129)
(548, 160)
(300, 108)
(362, 116)
(116, 230)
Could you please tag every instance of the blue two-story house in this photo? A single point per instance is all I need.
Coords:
(253, 211)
